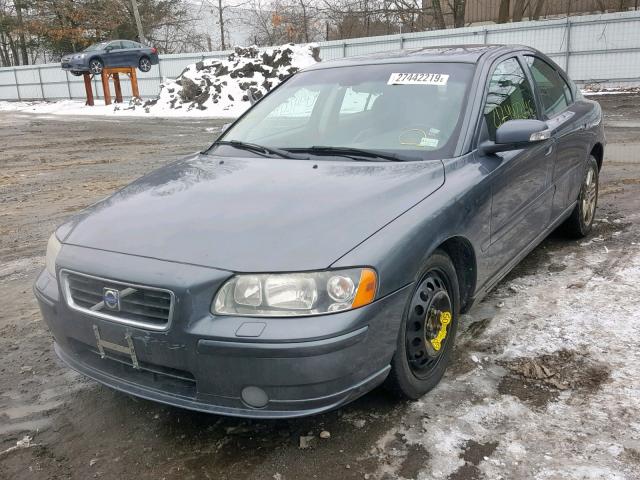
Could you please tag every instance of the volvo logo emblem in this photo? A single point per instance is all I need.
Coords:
(111, 298)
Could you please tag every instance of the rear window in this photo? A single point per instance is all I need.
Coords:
(555, 94)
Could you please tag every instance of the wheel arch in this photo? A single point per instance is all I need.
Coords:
(463, 256)
(598, 152)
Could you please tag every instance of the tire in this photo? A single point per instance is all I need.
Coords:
(580, 222)
(96, 66)
(418, 364)
(76, 73)
(144, 64)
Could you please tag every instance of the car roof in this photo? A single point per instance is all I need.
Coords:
(449, 53)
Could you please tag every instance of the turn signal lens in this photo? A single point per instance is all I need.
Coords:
(366, 288)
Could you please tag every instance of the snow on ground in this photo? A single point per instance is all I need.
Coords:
(546, 383)
(211, 88)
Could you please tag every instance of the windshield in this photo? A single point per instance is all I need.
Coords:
(412, 109)
(96, 46)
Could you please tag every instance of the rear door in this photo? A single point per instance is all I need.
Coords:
(521, 186)
(566, 122)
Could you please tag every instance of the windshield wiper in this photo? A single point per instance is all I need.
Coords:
(260, 149)
(353, 153)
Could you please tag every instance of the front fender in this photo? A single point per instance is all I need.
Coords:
(461, 208)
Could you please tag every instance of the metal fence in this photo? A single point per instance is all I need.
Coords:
(603, 49)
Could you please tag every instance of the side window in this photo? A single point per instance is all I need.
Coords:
(116, 45)
(129, 44)
(509, 96)
(555, 94)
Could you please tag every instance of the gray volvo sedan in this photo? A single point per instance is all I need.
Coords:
(328, 241)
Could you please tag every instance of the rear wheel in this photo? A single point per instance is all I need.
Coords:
(144, 64)
(428, 330)
(96, 66)
(580, 222)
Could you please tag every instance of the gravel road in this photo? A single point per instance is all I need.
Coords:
(545, 382)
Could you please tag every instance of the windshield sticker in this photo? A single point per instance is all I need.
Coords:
(418, 79)
(429, 142)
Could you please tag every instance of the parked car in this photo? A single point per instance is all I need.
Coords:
(116, 53)
(328, 241)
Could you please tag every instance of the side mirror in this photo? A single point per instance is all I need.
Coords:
(108, 48)
(516, 134)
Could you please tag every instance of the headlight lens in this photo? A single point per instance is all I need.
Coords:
(296, 294)
(53, 248)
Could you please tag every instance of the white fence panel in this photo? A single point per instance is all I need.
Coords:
(603, 48)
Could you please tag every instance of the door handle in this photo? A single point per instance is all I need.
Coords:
(549, 151)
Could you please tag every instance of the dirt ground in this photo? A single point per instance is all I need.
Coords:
(545, 384)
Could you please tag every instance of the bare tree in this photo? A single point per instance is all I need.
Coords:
(504, 11)
(437, 15)
(536, 10)
(458, 8)
(282, 21)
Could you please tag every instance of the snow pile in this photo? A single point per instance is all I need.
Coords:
(223, 87)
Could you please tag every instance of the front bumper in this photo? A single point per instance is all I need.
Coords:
(76, 65)
(304, 366)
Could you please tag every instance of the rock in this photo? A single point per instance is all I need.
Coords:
(325, 434)
(93, 461)
(305, 441)
(500, 304)
(199, 66)
(189, 90)
(359, 423)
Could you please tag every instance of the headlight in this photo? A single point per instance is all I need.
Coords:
(291, 294)
(53, 248)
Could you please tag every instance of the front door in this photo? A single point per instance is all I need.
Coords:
(522, 190)
(565, 120)
(114, 57)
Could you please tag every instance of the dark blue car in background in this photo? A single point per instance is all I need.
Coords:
(116, 53)
(328, 241)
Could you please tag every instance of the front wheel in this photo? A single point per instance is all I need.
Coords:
(96, 66)
(144, 64)
(580, 222)
(428, 330)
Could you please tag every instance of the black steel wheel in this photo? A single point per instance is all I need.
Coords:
(428, 329)
(144, 64)
(428, 322)
(95, 66)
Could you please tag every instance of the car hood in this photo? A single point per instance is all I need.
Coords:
(253, 214)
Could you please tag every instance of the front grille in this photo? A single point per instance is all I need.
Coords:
(136, 305)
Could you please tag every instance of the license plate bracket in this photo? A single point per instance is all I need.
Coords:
(127, 349)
